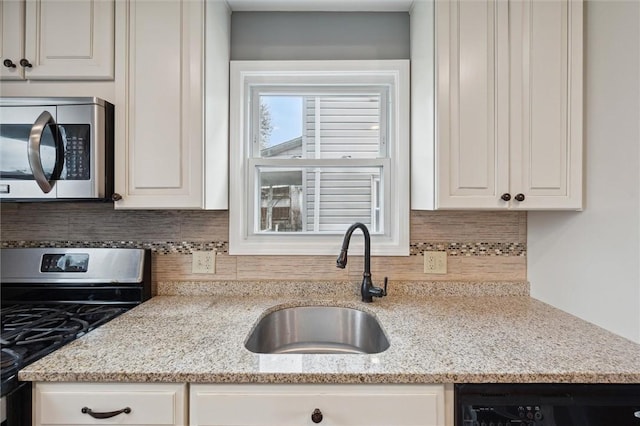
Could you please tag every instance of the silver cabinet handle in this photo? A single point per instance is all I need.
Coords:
(637, 414)
(35, 161)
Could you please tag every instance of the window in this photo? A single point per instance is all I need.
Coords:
(315, 147)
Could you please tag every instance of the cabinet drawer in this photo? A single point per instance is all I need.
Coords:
(150, 404)
(345, 405)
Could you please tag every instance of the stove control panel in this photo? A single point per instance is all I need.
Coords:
(71, 266)
(76, 262)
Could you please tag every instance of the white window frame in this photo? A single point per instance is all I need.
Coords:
(245, 74)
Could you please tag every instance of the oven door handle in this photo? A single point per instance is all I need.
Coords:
(35, 161)
(107, 415)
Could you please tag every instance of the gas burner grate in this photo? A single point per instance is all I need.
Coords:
(9, 359)
(31, 331)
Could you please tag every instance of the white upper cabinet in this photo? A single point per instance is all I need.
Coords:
(161, 91)
(57, 40)
(508, 105)
(546, 104)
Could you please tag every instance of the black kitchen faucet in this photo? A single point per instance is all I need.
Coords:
(368, 290)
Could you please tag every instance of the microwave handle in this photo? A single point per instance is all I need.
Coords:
(35, 162)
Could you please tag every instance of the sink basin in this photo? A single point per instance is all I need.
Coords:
(317, 330)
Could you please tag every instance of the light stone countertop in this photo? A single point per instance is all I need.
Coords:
(435, 338)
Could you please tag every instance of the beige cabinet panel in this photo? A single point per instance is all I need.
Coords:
(546, 104)
(12, 43)
(161, 90)
(159, 159)
(472, 58)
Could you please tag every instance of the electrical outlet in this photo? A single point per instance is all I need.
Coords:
(203, 262)
(435, 262)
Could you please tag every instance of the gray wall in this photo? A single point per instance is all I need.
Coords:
(319, 35)
(588, 263)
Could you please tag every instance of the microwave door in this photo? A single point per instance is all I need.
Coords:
(17, 180)
(45, 125)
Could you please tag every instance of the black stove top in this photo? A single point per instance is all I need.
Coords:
(51, 296)
(30, 332)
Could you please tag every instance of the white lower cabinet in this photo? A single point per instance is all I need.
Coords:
(179, 404)
(324, 405)
(121, 404)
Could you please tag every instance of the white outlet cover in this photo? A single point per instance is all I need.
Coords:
(435, 262)
(203, 262)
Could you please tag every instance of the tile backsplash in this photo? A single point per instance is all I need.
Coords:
(481, 246)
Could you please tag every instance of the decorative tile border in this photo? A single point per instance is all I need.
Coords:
(471, 249)
(188, 247)
(158, 247)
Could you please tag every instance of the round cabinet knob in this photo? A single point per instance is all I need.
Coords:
(519, 197)
(8, 63)
(25, 63)
(116, 197)
(316, 416)
(506, 196)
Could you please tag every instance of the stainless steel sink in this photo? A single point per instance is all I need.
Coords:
(317, 330)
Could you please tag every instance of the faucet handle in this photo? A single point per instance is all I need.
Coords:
(384, 292)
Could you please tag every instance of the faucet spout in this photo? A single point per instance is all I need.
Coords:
(341, 262)
(368, 290)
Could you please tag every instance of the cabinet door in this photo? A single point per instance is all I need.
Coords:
(472, 103)
(73, 403)
(69, 40)
(546, 102)
(338, 405)
(12, 38)
(159, 157)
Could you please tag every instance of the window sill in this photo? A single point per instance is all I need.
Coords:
(292, 245)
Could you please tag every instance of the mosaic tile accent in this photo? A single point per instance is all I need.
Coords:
(158, 247)
(188, 247)
(471, 248)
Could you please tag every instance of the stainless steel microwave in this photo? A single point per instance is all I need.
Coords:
(56, 149)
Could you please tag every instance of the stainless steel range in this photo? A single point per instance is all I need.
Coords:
(51, 296)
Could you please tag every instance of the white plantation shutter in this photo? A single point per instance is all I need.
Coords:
(348, 126)
(344, 127)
